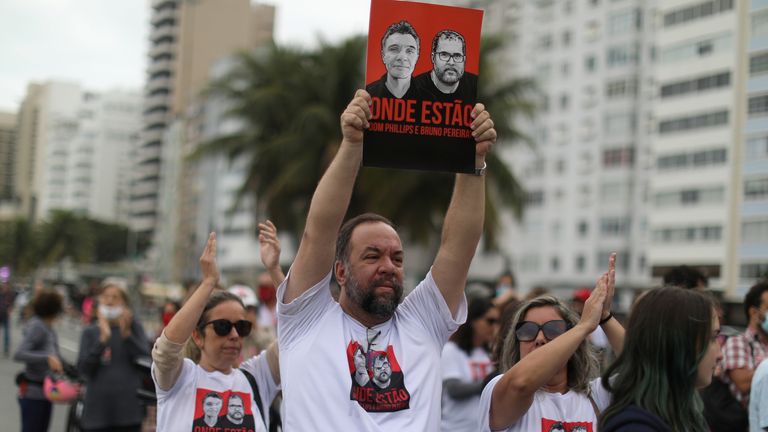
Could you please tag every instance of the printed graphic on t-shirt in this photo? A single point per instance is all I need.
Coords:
(548, 425)
(226, 411)
(479, 369)
(377, 381)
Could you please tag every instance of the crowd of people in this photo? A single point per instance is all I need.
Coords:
(371, 358)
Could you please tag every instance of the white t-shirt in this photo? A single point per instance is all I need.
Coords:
(182, 408)
(338, 375)
(461, 415)
(758, 399)
(570, 410)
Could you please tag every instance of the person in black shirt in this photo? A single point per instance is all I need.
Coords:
(447, 81)
(399, 52)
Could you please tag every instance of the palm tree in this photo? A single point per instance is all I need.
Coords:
(66, 234)
(18, 246)
(289, 102)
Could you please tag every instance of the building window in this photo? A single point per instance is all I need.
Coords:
(566, 38)
(545, 42)
(590, 63)
(690, 197)
(698, 48)
(618, 157)
(621, 123)
(581, 263)
(691, 234)
(554, 264)
(696, 85)
(694, 122)
(612, 191)
(614, 226)
(624, 22)
(582, 228)
(622, 55)
(697, 11)
(564, 101)
(758, 105)
(754, 231)
(756, 148)
(534, 198)
(621, 88)
(696, 159)
(754, 271)
(760, 24)
(758, 64)
(756, 189)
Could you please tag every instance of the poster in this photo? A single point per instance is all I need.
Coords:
(421, 71)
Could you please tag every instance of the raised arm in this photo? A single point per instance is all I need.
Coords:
(167, 353)
(463, 223)
(329, 204)
(611, 326)
(269, 248)
(513, 394)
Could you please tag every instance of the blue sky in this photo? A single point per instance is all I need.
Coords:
(102, 44)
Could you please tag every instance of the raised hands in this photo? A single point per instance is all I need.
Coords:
(355, 118)
(269, 245)
(598, 305)
(208, 265)
(482, 131)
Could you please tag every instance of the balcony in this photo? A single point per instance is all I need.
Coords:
(151, 136)
(156, 101)
(149, 155)
(163, 15)
(164, 48)
(166, 31)
(155, 119)
(156, 84)
(161, 4)
(157, 66)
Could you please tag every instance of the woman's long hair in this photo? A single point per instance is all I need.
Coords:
(465, 334)
(582, 366)
(668, 334)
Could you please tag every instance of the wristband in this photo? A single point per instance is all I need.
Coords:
(606, 319)
(481, 171)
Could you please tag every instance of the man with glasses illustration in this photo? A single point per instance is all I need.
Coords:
(447, 81)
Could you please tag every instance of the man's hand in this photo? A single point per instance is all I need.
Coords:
(269, 245)
(483, 132)
(208, 264)
(355, 118)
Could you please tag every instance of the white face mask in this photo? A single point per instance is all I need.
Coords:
(110, 312)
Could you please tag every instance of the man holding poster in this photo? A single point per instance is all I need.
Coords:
(423, 122)
(371, 361)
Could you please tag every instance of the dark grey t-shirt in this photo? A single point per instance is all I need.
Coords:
(38, 342)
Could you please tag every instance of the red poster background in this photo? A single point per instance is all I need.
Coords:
(427, 19)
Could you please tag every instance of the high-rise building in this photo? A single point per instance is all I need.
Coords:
(753, 251)
(651, 139)
(74, 151)
(7, 148)
(186, 38)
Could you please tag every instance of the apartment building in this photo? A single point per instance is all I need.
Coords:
(186, 38)
(74, 151)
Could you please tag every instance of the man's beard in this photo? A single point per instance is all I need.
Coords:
(449, 79)
(380, 306)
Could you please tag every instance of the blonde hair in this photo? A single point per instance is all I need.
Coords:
(582, 366)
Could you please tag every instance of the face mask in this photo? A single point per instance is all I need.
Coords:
(501, 289)
(110, 312)
(764, 324)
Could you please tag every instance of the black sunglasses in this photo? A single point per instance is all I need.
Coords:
(223, 327)
(527, 331)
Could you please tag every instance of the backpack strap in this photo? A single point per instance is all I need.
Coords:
(594, 405)
(256, 395)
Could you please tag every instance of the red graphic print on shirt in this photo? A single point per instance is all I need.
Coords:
(548, 425)
(377, 381)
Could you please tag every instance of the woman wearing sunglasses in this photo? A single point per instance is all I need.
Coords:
(548, 365)
(671, 351)
(216, 321)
